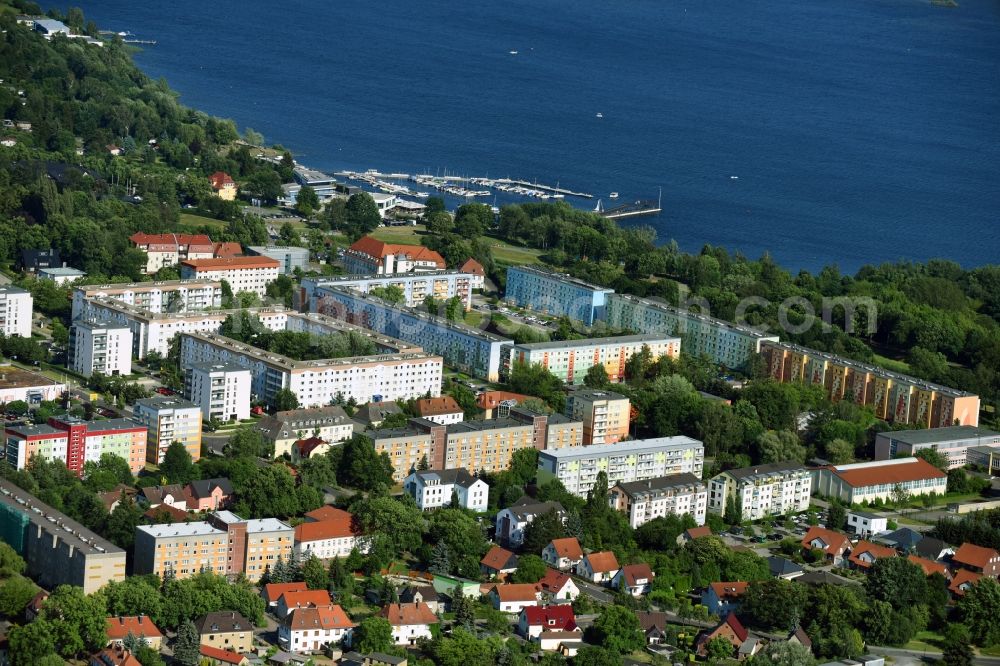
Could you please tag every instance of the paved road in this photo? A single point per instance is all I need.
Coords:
(595, 592)
(903, 657)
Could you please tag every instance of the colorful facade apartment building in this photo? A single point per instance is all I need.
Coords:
(169, 420)
(674, 495)
(370, 256)
(160, 296)
(442, 285)
(75, 441)
(251, 274)
(773, 489)
(893, 397)
(474, 445)
(605, 415)
(637, 460)
(463, 347)
(569, 360)
(224, 544)
(728, 344)
(557, 294)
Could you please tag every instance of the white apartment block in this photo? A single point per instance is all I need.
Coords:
(15, 311)
(442, 285)
(764, 490)
(433, 488)
(468, 349)
(577, 467)
(398, 376)
(169, 420)
(156, 297)
(676, 495)
(251, 274)
(100, 347)
(569, 360)
(219, 390)
(725, 343)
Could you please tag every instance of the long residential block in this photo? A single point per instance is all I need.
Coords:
(15, 311)
(161, 296)
(556, 294)
(385, 376)
(764, 490)
(881, 479)
(953, 442)
(416, 287)
(224, 544)
(463, 347)
(75, 442)
(569, 360)
(674, 495)
(728, 344)
(892, 396)
(56, 549)
(474, 445)
(637, 460)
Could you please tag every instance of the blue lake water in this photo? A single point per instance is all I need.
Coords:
(860, 131)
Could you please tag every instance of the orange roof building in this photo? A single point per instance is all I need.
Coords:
(558, 586)
(513, 598)
(312, 629)
(985, 561)
(409, 622)
(139, 626)
(273, 591)
(289, 601)
(832, 543)
(224, 185)
(443, 409)
(336, 534)
(498, 561)
(864, 554)
(167, 250)
(327, 512)
(963, 580)
(473, 267)
(370, 256)
(220, 656)
(598, 567)
(488, 401)
(869, 481)
(563, 553)
(930, 566)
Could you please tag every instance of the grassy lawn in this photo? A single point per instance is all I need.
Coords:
(473, 318)
(402, 235)
(892, 364)
(192, 221)
(502, 250)
(993, 651)
(926, 641)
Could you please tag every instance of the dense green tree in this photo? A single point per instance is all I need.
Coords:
(780, 446)
(15, 593)
(187, 649)
(530, 569)
(542, 530)
(76, 621)
(897, 581)
(361, 467)
(774, 603)
(31, 643)
(592, 655)
(361, 215)
(120, 526)
(285, 400)
(617, 629)
(247, 441)
(315, 574)
(784, 653)
(177, 465)
(373, 634)
(979, 607)
(956, 650)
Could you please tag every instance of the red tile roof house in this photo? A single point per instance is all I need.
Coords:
(731, 629)
(514, 598)
(289, 601)
(313, 629)
(985, 561)
(113, 656)
(598, 567)
(498, 562)
(930, 566)
(409, 622)
(219, 657)
(564, 554)
(368, 256)
(442, 410)
(864, 554)
(140, 626)
(273, 591)
(693, 533)
(963, 580)
(224, 185)
(723, 598)
(833, 544)
(558, 586)
(334, 537)
(634, 579)
(534, 620)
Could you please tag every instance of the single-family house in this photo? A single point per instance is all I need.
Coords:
(214, 656)
(498, 562)
(304, 449)
(722, 599)
(599, 567)
(654, 626)
(313, 629)
(801, 637)
(781, 567)
(693, 533)
(172, 495)
(533, 620)
(140, 626)
(409, 622)
(443, 409)
(226, 630)
(224, 185)
(422, 594)
(730, 629)
(865, 523)
(985, 561)
(833, 544)
(208, 494)
(904, 539)
(111, 498)
(115, 655)
(513, 598)
(563, 554)
(289, 601)
(273, 591)
(933, 549)
(557, 585)
(930, 566)
(963, 580)
(634, 579)
(864, 554)
(512, 521)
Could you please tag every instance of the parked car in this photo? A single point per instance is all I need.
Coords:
(163, 390)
